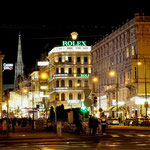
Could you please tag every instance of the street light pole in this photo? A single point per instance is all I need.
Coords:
(117, 95)
(113, 73)
(146, 102)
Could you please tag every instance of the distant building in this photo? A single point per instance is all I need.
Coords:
(1, 82)
(120, 51)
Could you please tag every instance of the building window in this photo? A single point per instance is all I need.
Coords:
(57, 97)
(57, 83)
(70, 59)
(78, 70)
(70, 83)
(79, 83)
(57, 70)
(70, 96)
(127, 52)
(62, 83)
(86, 83)
(62, 96)
(78, 59)
(116, 59)
(86, 70)
(79, 96)
(70, 70)
(120, 58)
(124, 56)
(135, 73)
(132, 50)
(86, 59)
(62, 70)
(60, 59)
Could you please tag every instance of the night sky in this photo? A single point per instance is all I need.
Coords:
(44, 25)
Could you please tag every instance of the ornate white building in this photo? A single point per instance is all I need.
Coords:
(69, 71)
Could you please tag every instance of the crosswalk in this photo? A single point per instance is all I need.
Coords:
(128, 135)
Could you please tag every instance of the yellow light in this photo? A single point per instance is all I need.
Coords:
(139, 63)
(74, 35)
(24, 90)
(95, 79)
(78, 84)
(44, 76)
(112, 73)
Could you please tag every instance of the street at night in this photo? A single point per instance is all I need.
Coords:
(75, 76)
(113, 140)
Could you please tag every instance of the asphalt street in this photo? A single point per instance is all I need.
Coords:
(113, 140)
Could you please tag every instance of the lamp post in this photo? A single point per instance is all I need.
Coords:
(140, 63)
(113, 73)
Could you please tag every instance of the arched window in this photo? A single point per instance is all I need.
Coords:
(57, 83)
(62, 96)
(62, 83)
(79, 83)
(70, 96)
(70, 83)
(86, 83)
(57, 96)
(79, 96)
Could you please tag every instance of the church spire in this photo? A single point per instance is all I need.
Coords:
(19, 64)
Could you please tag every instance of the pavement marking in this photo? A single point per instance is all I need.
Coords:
(141, 135)
(128, 135)
(114, 135)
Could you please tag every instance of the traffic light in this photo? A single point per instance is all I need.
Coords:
(95, 101)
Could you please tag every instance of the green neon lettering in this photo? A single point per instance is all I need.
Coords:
(69, 43)
(64, 43)
(83, 43)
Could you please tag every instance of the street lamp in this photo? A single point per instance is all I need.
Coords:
(113, 73)
(140, 63)
(94, 84)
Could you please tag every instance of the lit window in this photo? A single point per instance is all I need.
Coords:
(132, 50)
(127, 52)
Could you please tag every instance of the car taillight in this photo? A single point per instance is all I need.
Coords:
(148, 120)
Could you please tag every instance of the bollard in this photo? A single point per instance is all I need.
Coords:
(59, 124)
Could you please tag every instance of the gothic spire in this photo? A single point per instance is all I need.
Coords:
(19, 64)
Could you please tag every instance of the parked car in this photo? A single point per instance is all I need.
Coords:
(128, 122)
(113, 121)
(143, 121)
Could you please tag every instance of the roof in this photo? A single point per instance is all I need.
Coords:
(70, 49)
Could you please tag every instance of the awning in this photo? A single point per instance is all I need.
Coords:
(110, 108)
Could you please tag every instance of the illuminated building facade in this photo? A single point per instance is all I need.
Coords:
(120, 51)
(69, 71)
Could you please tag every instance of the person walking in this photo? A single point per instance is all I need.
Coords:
(91, 124)
(95, 125)
(103, 124)
(13, 124)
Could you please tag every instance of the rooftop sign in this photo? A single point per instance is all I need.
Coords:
(43, 63)
(73, 43)
(7, 66)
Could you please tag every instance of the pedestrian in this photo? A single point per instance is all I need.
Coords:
(95, 125)
(103, 123)
(13, 124)
(91, 124)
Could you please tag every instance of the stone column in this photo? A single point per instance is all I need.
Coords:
(1, 82)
